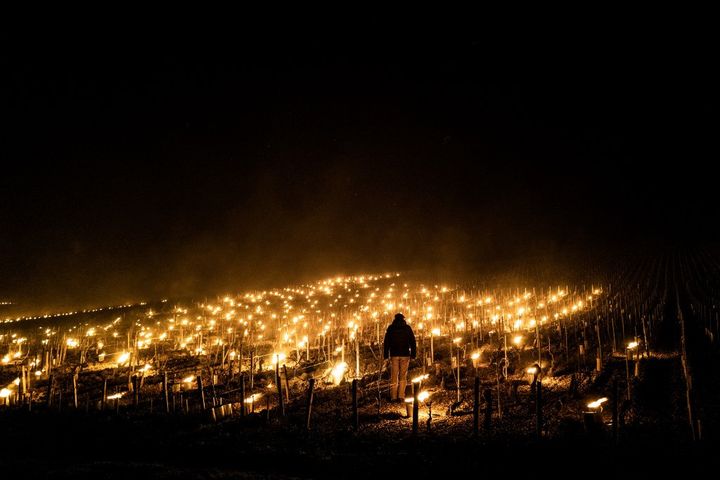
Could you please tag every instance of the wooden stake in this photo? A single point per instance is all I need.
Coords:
(432, 348)
(429, 420)
(213, 381)
(278, 383)
(75, 398)
(165, 392)
(287, 384)
(599, 356)
(627, 371)
(458, 373)
(538, 410)
(416, 408)
(308, 408)
(357, 357)
(252, 371)
(104, 395)
(487, 393)
(355, 420)
(242, 395)
(476, 406)
(136, 390)
(23, 382)
(201, 391)
(499, 395)
(50, 390)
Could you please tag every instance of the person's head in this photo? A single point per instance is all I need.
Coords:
(399, 318)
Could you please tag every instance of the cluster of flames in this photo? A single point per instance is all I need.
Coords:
(297, 324)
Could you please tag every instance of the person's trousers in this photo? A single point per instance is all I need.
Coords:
(398, 376)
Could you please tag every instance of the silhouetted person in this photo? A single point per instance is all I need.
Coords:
(399, 347)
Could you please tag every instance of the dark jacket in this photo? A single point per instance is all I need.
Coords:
(399, 340)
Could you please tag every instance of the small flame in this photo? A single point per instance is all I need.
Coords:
(422, 396)
(338, 372)
(597, 403)
(123, 358)
(420, 378)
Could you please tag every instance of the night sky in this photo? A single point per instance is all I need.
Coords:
(137, 171)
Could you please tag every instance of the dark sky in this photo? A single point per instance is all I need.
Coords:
(135, 170)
